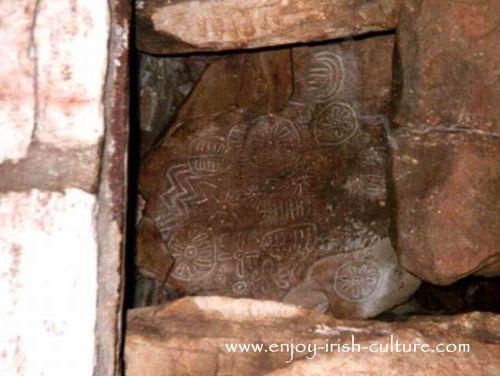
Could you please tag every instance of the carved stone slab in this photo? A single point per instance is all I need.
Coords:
(361, 284)
(246, 202)
(184, 26)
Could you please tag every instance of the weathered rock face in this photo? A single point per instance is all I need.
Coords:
(189, 337)
(448, 65)
(241, 80)
(448, 215)
(355, 285)
(247, 202)
(257, 82)
(166, 27)
(164, 83)
(445, 169)
(153, 258)
(63, 110)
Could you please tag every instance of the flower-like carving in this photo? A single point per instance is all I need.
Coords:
(335, 124)
(271, 143)
(193, 250)
(356, 281)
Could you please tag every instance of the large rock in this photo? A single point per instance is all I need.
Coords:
(361, 284)
(448, 213)
(448, 65)
(247, 202)
(165, 27)
(445, 165)
(193, 337)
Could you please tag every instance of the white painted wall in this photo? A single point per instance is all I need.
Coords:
(52, 76)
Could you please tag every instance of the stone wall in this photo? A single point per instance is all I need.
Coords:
(62, 185)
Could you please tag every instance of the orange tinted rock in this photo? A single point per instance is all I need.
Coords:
(189, 337)
(166, 27)
(447, 214)
(445, 168)
(448, 65)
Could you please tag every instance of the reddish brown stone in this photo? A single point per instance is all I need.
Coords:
(246, 202)
(447, 213)
(189, 337)
(166, 27)
(445, 164)
(258, 82)
(448, 65)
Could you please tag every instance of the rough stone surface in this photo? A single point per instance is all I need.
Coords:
(152, 257)
(188, 337)
(63, 126)
(48, 282)
(42, 57)
(445, 162)
(247, 202)
(185, 26)
(258, 82)
(16, 96)
(361, 284)
(48, 167)
(164, 83)
(448, 214)
(112, 195)
(448, 65)
(72, 115)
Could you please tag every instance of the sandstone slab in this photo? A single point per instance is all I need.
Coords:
(189, 337)
(166, 27)
(448, 60)
(246, 202)
(72, 115)
(447, 215)
(445, 159)
(151, 257)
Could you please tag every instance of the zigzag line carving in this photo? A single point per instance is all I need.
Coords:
(179, 196)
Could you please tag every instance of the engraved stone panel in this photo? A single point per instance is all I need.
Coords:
(360, 284)
(245, 202)
(179, 26)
